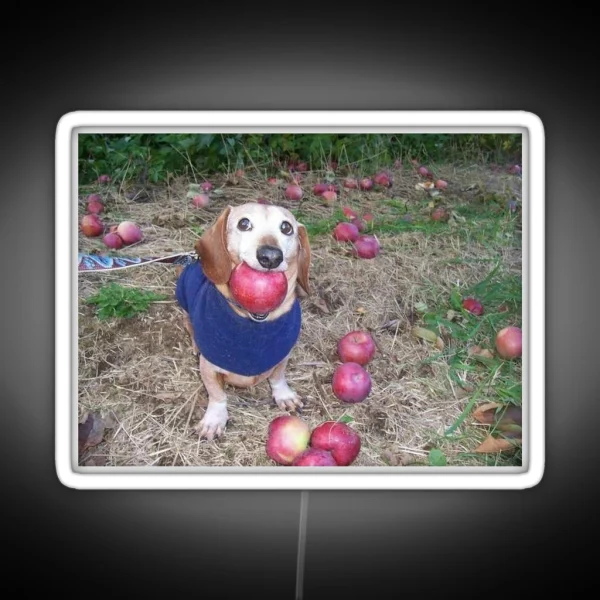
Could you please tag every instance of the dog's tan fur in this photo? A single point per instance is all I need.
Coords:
(220, 249)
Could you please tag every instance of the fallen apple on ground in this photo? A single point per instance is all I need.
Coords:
(129, 232)
(95, 207)
(366, 246)
(259, 292)
(349, 213)
(104, 179)
(383, 178)
(201, 200)
(440, 184)
(351, 383)
(337, 438)
(357, 346)
(509, 342)
(473, 306)
(293, 192)
(350, 183)
(319, 188)
(91, 225)
(440, 214)
(287, 438)
(346, 232)
(207, 186)
(366, 183)
(314, 457)
(329, 196)
(113, 240)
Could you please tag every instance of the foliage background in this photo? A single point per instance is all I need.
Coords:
(158, 157)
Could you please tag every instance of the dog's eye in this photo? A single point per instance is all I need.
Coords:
(244, 225)
(286, 228)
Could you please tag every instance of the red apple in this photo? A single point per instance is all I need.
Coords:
(440, 184)
(94, 198)
(91, 225)
(201, 200)
(259, 292)
(314, 457)
(440, 214)
(368, 217)
(357, 346)
(423, 171)
(346, 232)
(337, 438)
(383, 178)
(293, 192)
(473, 306)
(319, 188)
(113, 240)
(351, 382)
(302, 167)
(509, 342)
(129, 232)
(287, 438)
(366, 246)
(365, 183)
(348, 212)
(207, 186)
(350, 183)
(104, 179)
(95, 207)
(329, 196)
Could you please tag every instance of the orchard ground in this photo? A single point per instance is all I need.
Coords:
(138, 374)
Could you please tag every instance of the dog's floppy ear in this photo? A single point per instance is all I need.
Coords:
(303, 259)
(212, 250)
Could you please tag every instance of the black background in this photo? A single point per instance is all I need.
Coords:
(222, 544)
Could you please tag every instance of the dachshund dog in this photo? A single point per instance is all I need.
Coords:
(234, 346)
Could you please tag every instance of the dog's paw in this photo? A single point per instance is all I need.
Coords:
(287, 399)
(214, 422)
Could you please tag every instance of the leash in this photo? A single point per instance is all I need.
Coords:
(93, 263)
(96, 262)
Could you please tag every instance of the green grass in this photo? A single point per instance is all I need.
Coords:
(114, 301)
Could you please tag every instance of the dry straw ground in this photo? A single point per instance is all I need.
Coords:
(140, 375)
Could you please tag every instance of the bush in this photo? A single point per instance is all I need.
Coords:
(159, 156)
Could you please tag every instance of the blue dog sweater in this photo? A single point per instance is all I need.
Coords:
(226, 339)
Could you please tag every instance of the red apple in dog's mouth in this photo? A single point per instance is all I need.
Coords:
(259, 292)
(337, 438)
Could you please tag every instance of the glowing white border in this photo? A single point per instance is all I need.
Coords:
(380, 478)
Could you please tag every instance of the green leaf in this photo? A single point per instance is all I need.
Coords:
(346, 419)
(437, 458)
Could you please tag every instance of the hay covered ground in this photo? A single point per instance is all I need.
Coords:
(139, 377)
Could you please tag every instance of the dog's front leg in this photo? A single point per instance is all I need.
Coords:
(215, 418)
(283, 395)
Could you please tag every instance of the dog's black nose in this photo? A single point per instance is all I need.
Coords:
(269, 257)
